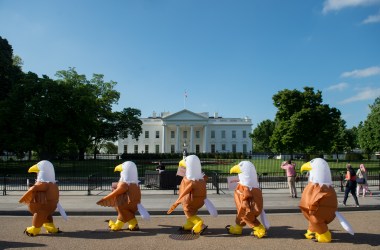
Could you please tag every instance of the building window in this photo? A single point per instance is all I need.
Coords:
(172, 149)
(157, 134)
(185, 134)
(244, 134)
(146, 134)
(244, 148)
(172, 134)
(212, 148)
(146, 148)
(157, 149)
(212, 133)
(136, 149)
(197, 147)
(233, 148)
(125, 149)
(197, 134)
(233, 134)
(223, 134)
(223, 147)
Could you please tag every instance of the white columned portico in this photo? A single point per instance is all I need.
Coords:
(163, 138)
(177, 144)
(205, 141)
(191, 149)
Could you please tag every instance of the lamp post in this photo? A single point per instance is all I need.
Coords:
(184, 150)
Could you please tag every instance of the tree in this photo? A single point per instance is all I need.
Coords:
(303, 123)
(369, 132)
(339, 141)
(352, 139)
(128, 123)
(9, 77)
(109, 148)
(261, 136)
(96, 122)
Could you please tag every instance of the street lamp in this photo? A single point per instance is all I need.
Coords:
(184, 150)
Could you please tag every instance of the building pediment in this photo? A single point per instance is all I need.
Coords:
(185, 115)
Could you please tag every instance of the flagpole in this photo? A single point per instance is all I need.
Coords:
(184, 99)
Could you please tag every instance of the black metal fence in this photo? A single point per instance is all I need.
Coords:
(169, 181)
(91, 175)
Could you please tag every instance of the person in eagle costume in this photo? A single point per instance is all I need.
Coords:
(126, 198)
(319, 202)
(192, 195)
(42, 199)
(249, 201)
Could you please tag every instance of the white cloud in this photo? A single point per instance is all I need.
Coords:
(362, 95)
(372, 19)
(331, 5)
(340, 86)
(361, 73)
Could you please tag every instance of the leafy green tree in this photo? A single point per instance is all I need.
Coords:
(303, 123)
(352, 139)
(58, 117)
(109, 148)
(339, 141)
(97, 123)
(261, 136)
(128, 123)
(369, 132)
(9, 77)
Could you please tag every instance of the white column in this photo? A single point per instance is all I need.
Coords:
(205, 141)
(191, 149)
(163, 146)
(177, 144)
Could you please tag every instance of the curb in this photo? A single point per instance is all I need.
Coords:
(159, 212)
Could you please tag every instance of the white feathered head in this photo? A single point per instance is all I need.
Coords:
(45, 171)
(193, 167)
(319, 171)
(128, 172)
(247, 174)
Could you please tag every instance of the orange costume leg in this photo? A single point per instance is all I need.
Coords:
(127, 214)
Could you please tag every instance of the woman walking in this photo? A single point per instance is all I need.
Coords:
(363, 183)
(350, 185)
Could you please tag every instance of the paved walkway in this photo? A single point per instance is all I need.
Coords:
(161, 232)
(86, 227)
(157, 202)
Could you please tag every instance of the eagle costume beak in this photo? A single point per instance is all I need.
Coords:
(235, 170)
(182, 163)
(33, 169)
(306, 167)
(118, 168)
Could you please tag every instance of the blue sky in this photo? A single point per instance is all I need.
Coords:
(230, 57)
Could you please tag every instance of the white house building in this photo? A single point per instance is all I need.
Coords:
(193, 132)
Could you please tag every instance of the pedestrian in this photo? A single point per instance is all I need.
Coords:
(362, 180)
(290, 168)
(350, 185)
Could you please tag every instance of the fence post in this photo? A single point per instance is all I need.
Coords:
(88, 185)
(259, 178)
(5, 186)
(217, 182)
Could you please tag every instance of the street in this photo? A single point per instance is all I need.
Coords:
(160, 232)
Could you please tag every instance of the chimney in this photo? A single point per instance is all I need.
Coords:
(216, 115)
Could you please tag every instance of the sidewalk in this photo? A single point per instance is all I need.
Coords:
(157, 202)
